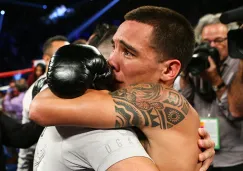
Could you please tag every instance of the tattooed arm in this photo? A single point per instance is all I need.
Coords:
(137, 105)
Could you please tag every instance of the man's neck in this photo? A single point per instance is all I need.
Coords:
(168, 84)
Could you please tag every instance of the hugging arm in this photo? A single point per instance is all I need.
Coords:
(137, 105)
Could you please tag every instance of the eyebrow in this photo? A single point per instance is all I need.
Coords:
(126, 45)
(131, 48)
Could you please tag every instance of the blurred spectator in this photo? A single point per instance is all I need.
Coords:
(13, 100)
(26, 156)
(38, 71)
(80, 41)
(219, 76)
(13, 134)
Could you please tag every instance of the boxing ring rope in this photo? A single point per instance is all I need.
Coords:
(22, 71)
(12, 73)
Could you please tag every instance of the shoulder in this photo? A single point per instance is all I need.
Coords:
(149, 105)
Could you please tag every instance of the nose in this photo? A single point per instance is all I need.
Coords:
(112, 61)
(212, 44)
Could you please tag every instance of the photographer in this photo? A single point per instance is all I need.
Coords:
(206, 87)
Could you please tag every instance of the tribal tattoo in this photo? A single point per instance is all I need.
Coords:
(149, 105)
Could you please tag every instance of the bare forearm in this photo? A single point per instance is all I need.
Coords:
(47, 109)
(137, 105)
(235, 97)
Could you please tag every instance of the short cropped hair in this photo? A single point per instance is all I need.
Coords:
(173, 35)
(80, 41)
(48, 43)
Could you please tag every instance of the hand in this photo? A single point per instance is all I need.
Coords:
(211, 73)
(208, 145)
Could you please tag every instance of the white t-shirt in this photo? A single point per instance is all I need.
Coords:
(75, 148)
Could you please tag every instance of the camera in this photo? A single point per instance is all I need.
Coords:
(235, 43)
(235, 37)
(199, 61)
(198, 64)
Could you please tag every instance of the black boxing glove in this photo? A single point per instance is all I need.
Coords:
(75, 68)
(38, 85)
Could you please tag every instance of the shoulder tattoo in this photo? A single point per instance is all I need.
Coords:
(149, 105)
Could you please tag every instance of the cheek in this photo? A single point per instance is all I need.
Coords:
(222, 48)
(135, 70)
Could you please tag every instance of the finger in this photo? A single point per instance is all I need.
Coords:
(206, 143)
(203, 133)
(206, 165)
(211, 61)
(209, 153)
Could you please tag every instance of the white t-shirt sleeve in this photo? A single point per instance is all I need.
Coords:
(44, 87)
(114, 148)
(26, 105)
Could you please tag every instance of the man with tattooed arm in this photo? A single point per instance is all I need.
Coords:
(151, 47)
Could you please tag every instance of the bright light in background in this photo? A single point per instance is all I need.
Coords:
(59, 12)
(1, 19)
(44, 6)
(2, 12)
(17, 76)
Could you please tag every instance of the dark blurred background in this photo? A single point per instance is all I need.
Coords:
(27, 24)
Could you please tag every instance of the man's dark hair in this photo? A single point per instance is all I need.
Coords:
(102, 32)
(48, 43)
(80, 41)
(110, 33)
(173, 35)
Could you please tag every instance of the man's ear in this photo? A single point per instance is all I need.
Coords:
(171, 69)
